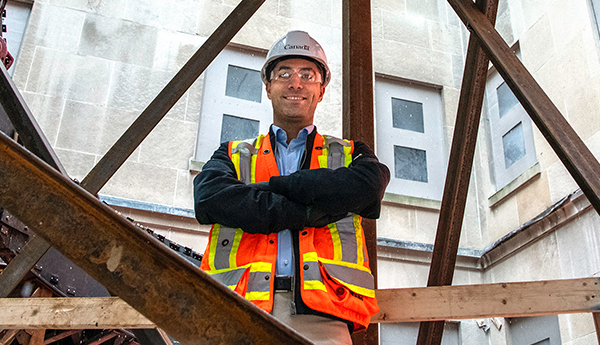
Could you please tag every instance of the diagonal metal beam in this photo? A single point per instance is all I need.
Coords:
(458, 176)
(164, 287)
(34, 139)
(166, 99)
(576, 157)
(25, 124)
(357, 118)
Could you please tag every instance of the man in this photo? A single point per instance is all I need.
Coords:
(286, 207)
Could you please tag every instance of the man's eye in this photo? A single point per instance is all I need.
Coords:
(307, 76)
(284, 75)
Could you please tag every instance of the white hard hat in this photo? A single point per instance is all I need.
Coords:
(296, 44)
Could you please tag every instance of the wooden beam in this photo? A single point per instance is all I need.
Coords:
(183, 300)
(576, 157)
(458, 176)
(70, 313)
(488, 300)
(166, 99)
(397, 305)
(357, 110)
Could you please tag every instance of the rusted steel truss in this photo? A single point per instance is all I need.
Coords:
(176, 295)
(182, 299)
(357, 110)
(573, 153)
(458, 176)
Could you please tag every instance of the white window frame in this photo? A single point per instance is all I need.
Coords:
(215, 103)
(431, 141)
(499, 127)
(17, 16)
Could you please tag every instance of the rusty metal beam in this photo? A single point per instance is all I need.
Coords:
(166, 99)
(34, 139)
(357, 110)
(458, 176)
(164, 287)
(576, 157)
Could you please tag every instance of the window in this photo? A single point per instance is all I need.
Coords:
(234, 104)
(407, 333)
(17, 15)
(410, 137)
(513, 148)
(543, 330)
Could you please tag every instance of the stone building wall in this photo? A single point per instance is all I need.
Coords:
(87, 69)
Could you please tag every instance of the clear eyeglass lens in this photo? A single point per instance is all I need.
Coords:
(305, 76)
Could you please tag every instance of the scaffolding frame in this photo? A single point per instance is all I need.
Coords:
(69, 217)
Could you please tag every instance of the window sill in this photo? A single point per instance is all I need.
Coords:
(391, 198)
(515, 185)
(195, 166)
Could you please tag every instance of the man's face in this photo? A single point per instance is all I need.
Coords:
(294, 98)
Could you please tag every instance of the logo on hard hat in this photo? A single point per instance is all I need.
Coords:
(296, 46)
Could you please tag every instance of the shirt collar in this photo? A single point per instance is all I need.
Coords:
(281, 135)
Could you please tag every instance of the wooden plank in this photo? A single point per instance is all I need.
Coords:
(166, 99)
(458, 176)
(488, 300)
(70, 313)
(576, 157)
(397, 305)
(357, 110)
(129, 262)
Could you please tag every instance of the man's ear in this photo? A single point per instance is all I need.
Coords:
(322, 93)
(268, 88)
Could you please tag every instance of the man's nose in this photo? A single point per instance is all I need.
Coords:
(295, 81)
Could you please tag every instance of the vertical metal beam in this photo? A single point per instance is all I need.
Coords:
(166, 99)
(577, 158)
(597, 325)
(358, 123)
(458, 176)
(164, 287)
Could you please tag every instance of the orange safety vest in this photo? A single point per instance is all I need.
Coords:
(334, 277)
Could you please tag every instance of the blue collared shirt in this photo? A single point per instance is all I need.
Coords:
(288, 157)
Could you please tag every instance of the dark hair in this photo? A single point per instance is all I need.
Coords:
(274, 63)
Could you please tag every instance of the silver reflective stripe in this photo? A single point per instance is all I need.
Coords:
(335, 149)
(347, 234)
(246, 151)
(230, 277)
(313, 272)
(352, 276)
(224, 247)
(259, 281)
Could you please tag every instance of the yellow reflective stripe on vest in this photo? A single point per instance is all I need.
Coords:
(337, 242)
(347, 154)
(312, 274)
(235, 158)
(258, 288)
(234, 248)
(350, 275)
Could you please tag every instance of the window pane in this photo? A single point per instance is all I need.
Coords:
(238, 128)
(243, 83)
(410, 164)
(514, 145)
(407, 115)
(506, 99)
